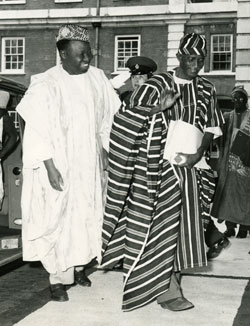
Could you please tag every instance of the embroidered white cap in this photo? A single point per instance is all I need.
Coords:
(72, 32)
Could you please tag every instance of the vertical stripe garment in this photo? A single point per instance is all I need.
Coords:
(153, 215)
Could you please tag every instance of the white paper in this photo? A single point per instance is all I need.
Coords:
(183, 138)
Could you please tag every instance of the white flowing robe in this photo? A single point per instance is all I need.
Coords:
(67, 118)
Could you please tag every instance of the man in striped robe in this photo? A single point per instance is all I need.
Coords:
(155, 210)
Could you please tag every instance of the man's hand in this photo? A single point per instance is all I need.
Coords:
(167, 100)
(188, 160)
(55, 178)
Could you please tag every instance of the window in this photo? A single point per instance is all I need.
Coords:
(125, 47)
(221, 52)
(11, 2)
(13, 55)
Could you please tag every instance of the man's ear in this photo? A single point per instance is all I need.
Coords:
(63, 54)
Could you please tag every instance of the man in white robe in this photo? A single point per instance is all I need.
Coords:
(68, 112)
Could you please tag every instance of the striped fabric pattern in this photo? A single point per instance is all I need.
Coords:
(143, 207)
(153, 214)
(193, 44)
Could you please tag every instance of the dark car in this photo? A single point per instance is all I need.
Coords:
(10, 233)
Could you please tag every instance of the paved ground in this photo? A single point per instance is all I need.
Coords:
(220, 293)
(23, 289)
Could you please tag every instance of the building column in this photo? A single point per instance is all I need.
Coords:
(243, 45)
(175, 33)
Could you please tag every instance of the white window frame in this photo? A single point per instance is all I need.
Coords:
(117, 39)
(212, 52)
(13, 2)
(12, 71)
(65, 1)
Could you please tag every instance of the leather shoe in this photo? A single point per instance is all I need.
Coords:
(217, 248)
(229, 233)
(58, 292)
(177, 304)
(241, 234)
(81, 278)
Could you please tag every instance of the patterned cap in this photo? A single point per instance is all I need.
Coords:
(73, 32)
(193, 44)
(241, 89)
(4, 99)
(141, 65)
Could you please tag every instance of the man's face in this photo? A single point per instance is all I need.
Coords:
(189, 65)
(76, 57)
(138, 80)
(239, 102)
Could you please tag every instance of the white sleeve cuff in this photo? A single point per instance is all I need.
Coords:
(214, 130)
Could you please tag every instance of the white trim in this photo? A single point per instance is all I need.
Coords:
(218, 72)
(3, 62)
(116, 69)
(9, 2)
(65, 1)
(225, 6)
(109, 12)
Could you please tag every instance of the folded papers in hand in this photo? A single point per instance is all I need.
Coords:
(183, 138)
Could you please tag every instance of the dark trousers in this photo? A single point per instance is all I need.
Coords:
(232, 225)
(212, 234)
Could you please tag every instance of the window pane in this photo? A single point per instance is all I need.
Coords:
(14, 43)
(13, 54)
(221, 52)
(127, 46)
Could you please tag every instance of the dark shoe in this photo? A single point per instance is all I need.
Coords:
(217, 248)
(241, 234)
(58, 292)
(177, 304)
(229, 233)
(82, 279)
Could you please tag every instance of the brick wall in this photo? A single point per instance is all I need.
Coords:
(40, 53)
(40, 48)
(151, 46)
(223, 84)
(123, 3)
(50, 4)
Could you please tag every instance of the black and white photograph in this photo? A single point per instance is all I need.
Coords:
(124, 162)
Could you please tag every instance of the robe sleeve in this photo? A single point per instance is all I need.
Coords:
(34, 109)
(111, 103)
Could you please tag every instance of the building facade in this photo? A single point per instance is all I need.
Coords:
(120, 29)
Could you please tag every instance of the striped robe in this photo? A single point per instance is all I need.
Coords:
(153, 214)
